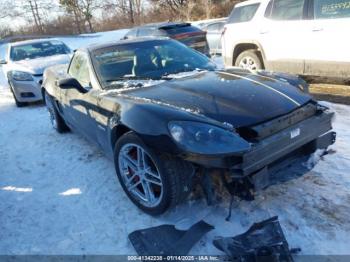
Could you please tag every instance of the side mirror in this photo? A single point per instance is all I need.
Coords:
(3, 62)
(71, 83)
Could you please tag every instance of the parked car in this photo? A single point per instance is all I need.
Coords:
(25, 62)
(163, 113)
(305, 37)
(184, 32)
(214, 31)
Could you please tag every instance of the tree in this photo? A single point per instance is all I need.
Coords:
(8, 9)
(33, 6)
(175, 6)
(208, 8)
(82, 11)
(130, 9)
(5, 31)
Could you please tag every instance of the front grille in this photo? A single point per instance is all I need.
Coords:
(38, 75)
(27, 94)
(266, 129)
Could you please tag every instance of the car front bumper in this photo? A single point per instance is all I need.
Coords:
(27, 91)
(306, 136)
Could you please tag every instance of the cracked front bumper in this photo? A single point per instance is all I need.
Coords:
(304, 137)
(311, 133)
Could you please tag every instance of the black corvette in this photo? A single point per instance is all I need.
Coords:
(164, 113)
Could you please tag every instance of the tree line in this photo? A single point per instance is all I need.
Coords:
(65, 17)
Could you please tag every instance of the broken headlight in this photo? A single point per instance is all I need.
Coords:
(201, 138)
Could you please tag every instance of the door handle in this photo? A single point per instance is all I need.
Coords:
(264, 31)
(317, 29)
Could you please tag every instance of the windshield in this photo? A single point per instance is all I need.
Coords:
(39, 49)
(243, 13)
(154, 59)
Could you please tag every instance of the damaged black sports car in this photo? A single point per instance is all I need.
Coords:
(165, 114)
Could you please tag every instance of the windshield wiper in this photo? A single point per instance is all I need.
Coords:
(123, 81)
(122, 78)
(166, 75)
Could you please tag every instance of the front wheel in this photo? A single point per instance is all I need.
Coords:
(56, 120)
(249, 59)
(153, 182)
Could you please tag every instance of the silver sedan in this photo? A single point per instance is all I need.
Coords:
(25, 62)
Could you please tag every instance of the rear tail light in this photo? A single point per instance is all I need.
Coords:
(185, 35)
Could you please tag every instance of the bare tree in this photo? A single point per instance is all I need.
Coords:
(82, 11)
(187, 11)
(5, 31)
(175, 6)
(208, 8)
(8, 9)
(33, 6)
(131, 9)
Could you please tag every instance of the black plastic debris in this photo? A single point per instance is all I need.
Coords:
(263, 241)
(166, 240)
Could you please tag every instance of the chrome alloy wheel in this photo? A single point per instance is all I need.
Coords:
(248, 63)
(51, 110)
(140, 175)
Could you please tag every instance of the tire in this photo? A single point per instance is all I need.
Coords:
(56, 120)
(174, 175)
(18, 103)
(249, 59)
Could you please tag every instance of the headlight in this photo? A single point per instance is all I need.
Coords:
(200, 138)
(21, 76)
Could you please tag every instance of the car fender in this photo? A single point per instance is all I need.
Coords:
(236, 50)
(153, 128)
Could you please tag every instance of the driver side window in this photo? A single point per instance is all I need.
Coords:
(79, 69)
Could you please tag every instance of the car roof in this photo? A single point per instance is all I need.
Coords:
(250, 2)
(33, 41)
(94, 47)
(25, 38)
(211, 22)
(163, 24)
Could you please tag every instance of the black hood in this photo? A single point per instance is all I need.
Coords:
(237, 98)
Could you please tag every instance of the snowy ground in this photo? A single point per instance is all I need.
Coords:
(60, 195)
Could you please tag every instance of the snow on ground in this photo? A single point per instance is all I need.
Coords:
(60, 195)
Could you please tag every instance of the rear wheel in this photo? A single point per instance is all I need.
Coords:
(56, 120)
(153, 182)
(249, 59)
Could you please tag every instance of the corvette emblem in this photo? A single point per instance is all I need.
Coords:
(294, 133)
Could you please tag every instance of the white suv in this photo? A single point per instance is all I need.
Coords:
(305, 37)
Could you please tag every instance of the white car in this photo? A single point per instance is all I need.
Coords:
(25, 62)
(214, 30)
(305, 37)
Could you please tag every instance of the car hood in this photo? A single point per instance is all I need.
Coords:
(38, 65)
(240, 99)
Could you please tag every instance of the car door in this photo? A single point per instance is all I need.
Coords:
(80, 107)
(329, 39)
(282, 31)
